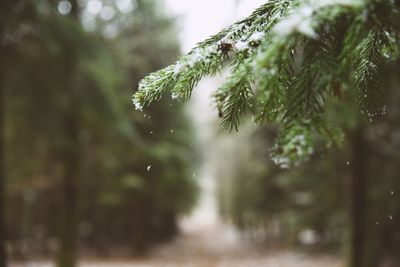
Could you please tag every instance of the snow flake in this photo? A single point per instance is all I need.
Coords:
(175, 95)
(301, 19)
(324, 3)
(137, 104)
(240, 45)
(283, 162)
(178, 68)
(306, 11)
(197, 56)
(257, 36)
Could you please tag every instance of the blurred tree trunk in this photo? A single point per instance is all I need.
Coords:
(358, 198)
(70, 157)
(69, 186)
(4, 8)
(3, 257)
(139, 225)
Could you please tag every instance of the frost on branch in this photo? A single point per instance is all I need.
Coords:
(286, 60)
(302, 20)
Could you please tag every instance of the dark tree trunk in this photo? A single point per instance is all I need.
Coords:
(358, 198)
(3, 256)
(4, 7)
(69, 186)
(70, 157)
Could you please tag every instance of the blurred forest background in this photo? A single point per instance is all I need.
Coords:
(78, 166)
(83, 174)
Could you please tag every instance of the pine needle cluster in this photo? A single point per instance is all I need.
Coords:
(286, 61)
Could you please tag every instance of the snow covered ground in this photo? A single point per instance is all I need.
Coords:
(211, 246)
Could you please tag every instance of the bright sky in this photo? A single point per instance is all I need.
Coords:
(201, 18)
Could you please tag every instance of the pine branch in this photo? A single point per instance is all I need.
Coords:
(208, 57)
(368, 86)
(287, 59)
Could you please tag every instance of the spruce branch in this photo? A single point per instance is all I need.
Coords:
(286, 59)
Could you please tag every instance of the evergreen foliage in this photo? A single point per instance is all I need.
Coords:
(287, 61)
(274, 205)
(53, 70)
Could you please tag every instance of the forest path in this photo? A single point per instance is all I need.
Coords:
(218, 246)
(214, 245)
